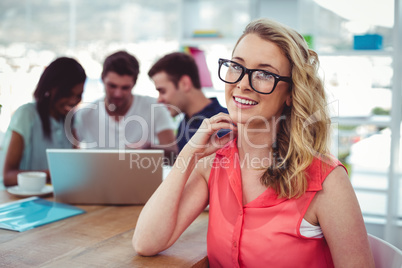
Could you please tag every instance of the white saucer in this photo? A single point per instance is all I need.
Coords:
(15, 190)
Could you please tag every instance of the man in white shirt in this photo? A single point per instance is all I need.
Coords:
(121, 119)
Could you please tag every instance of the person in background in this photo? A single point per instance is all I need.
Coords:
(277, 197)
(121, 119)
(37, 126)
(177, 80)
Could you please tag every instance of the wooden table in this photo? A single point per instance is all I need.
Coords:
(99, 238)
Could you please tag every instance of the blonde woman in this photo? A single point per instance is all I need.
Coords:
(276, 196)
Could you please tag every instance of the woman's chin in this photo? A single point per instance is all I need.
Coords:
(238, 118)
(65, 110)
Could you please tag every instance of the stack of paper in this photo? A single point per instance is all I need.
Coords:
(206, 33)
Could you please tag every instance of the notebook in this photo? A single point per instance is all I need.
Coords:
(105, 177)
(28, 213)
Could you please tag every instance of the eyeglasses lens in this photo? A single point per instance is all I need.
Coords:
(230, 72)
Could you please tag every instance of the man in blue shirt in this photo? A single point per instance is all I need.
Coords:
(177, 80)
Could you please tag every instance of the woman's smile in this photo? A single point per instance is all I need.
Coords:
(242, 102)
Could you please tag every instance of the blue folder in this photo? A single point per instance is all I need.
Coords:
(32, 212)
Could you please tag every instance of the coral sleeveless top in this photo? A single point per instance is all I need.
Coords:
(266, 231)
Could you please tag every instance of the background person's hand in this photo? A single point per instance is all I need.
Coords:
(141, 145)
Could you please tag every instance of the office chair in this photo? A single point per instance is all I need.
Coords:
(385, 254)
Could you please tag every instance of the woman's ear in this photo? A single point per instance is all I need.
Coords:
(289, 100)
(52, 92)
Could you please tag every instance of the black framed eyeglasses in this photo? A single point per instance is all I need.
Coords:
(261, 81)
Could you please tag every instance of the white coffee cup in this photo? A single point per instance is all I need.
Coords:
(31, 181)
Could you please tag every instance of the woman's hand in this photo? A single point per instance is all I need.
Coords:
(206, 141)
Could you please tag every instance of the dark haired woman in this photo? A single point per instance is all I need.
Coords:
(38, 126)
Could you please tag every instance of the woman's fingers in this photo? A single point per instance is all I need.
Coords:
(221, 117)
(213, 134)
(211, 126)
(217, 122)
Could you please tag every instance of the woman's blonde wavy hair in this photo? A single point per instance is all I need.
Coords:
(304, 133)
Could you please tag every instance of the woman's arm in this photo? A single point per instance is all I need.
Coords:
(13, 159)
(341, 220)
(175, 204)
(183, 194)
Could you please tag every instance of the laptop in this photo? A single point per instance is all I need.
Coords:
(104, 177)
